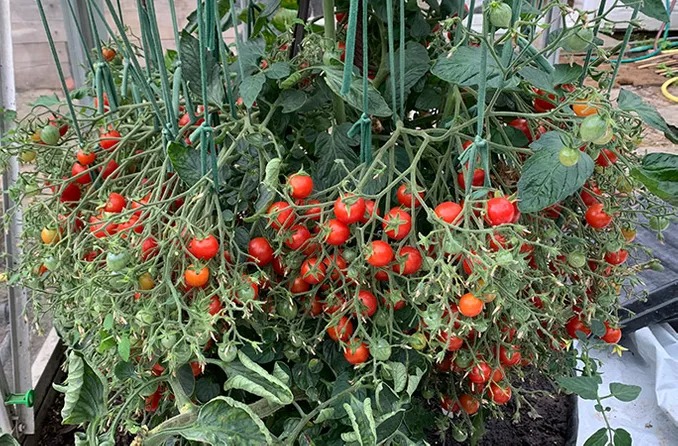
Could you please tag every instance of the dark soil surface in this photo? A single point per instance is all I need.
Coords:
(550, 427)
(53, 433)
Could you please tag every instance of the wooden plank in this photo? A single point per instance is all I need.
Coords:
(31, 31)
(34, 67)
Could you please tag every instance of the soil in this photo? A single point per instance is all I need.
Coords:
(53, 433)
(549, 424)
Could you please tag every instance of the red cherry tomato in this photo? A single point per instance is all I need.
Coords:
(612, 335)
(86, 158)
(215, 305)
(406, 197)
(397, 224)
(115, 204)
(500, 211)
(299, 237)
(337, 231)
(606, 158)
(589, 197)
(379, 253)
(110, 169)
(149, 248)
(205, 248)
(313, 271)
(79, 172)
(369, 211)
(452, 343)
(596, 217)
(469, 404)
(368, 302)
(280, 215)
(477, 181)
(411, 261)
(448, 211)
(342, 331)
(357, 354)
(499, 395)
(522, 125)
(260, 251)
(509, 357)
(110, 140)
(313, 213)
(300, 185)
(480, 373)
(616, 257)
(575, 325)
(349, 208)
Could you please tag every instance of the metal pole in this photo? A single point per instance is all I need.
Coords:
(19, 329)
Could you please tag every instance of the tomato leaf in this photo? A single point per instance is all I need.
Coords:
(398, 373)
(124, 348)
(48, 101)
(597, 328)
(7, 440)
(186, 379)
(124, 370)
(463, 68)
(632, 103)
(292, 100)
(220, 422)
(622, 438)
(247, 375)
(562, 74)
(85, 392)
(414, 380)
(250, 52)
(362, 421)
(336, 156)
(186, 162)
(625, 392)
(416, 66)
(651, 8)
(584, 386)
(659, 174)
(545, 180)
(279, 70)
(251, 87)
(599, 438)
(206, 389)
(376, 104)
(192, 71)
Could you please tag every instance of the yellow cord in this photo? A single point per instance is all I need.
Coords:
(665, 89)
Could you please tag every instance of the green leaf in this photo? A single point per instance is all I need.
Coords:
(659, 174)
(292, 100)
(633, 103)
(108, 321)
(388, 426)
(398, 373)
(463, 68)
(250, 53)
(651, 8)
(186, 379)
(192, 72)
(186, 162)
(7, 440)
(419, 27)
(124, 370)
(206, 389)
(334, 149)
(416, 66)
(247, 375)
(272, 178)
(584, 386)
(84, 393)
(375, 102)
(414, 380)
(598, 328)
(622, 438)
(362, 422)
(222, 421)
(625, 392)
(562, 74)
(124, 348)
(599, 438)
(279, 70)
(545, 180)
(48, 101)
(251, 87)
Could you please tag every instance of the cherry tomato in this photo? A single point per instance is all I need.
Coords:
(336, 265)
(195, 277)
(500, 211)
(498, 375)
(470, 306)
(300, 185)
(379, 253)
(629, 234)
(452, 343)
(616, 257)
(108, 53)
(152, 402)
(589, 197)
(299, 285)
(448, 211)
(115, 204)
(499, 395)
(50, 236)
(260, 250)
(86, 158)
(146, 282)
(357, 352)
(509, 357)
(596, 217)
(575, 325)
(397, 224)
(342, 331)
(196, 368)
(313, 213)
(149, 248)
(522, 125)
(583, 109)
(370, 209)
(612, 335)
(215, 306)
(80, 173)
(100, 228)
(298, 238)
(606, 158)
(337, 231)
(204, 248)
(110, 169)
(368, 303)
(543, 105)
(110, 140)
(480, 373)
(469, 404)
(313, 271)
(406, 198)
(477, 181)
(349, 208)
(280, 215)
(411, 260)
(568, 156)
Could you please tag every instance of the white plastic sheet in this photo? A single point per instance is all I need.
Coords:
(651, 363)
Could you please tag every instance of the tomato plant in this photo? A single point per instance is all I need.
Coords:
(280, 241)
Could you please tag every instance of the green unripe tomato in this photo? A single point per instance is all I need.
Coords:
(576, 259)
(624, 185)
(118, 281)
(578, 41)
(227, 352)
(463, 359)
(606, 138)
(382, 318)
(593, 128)
(168, 340)
(50, 135)
(380, 349)
(144, 317)
(459, 434)
(315, 365)
(51, 263)
(568, 156)
(427, 393)
(658, 224)
(287, 309)
(27, 156)
(500, 15)
(116, 261)
(418, 341)
(656, 265)
(349, 255)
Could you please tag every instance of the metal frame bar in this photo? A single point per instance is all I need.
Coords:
(19, 328)
(76, 48)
